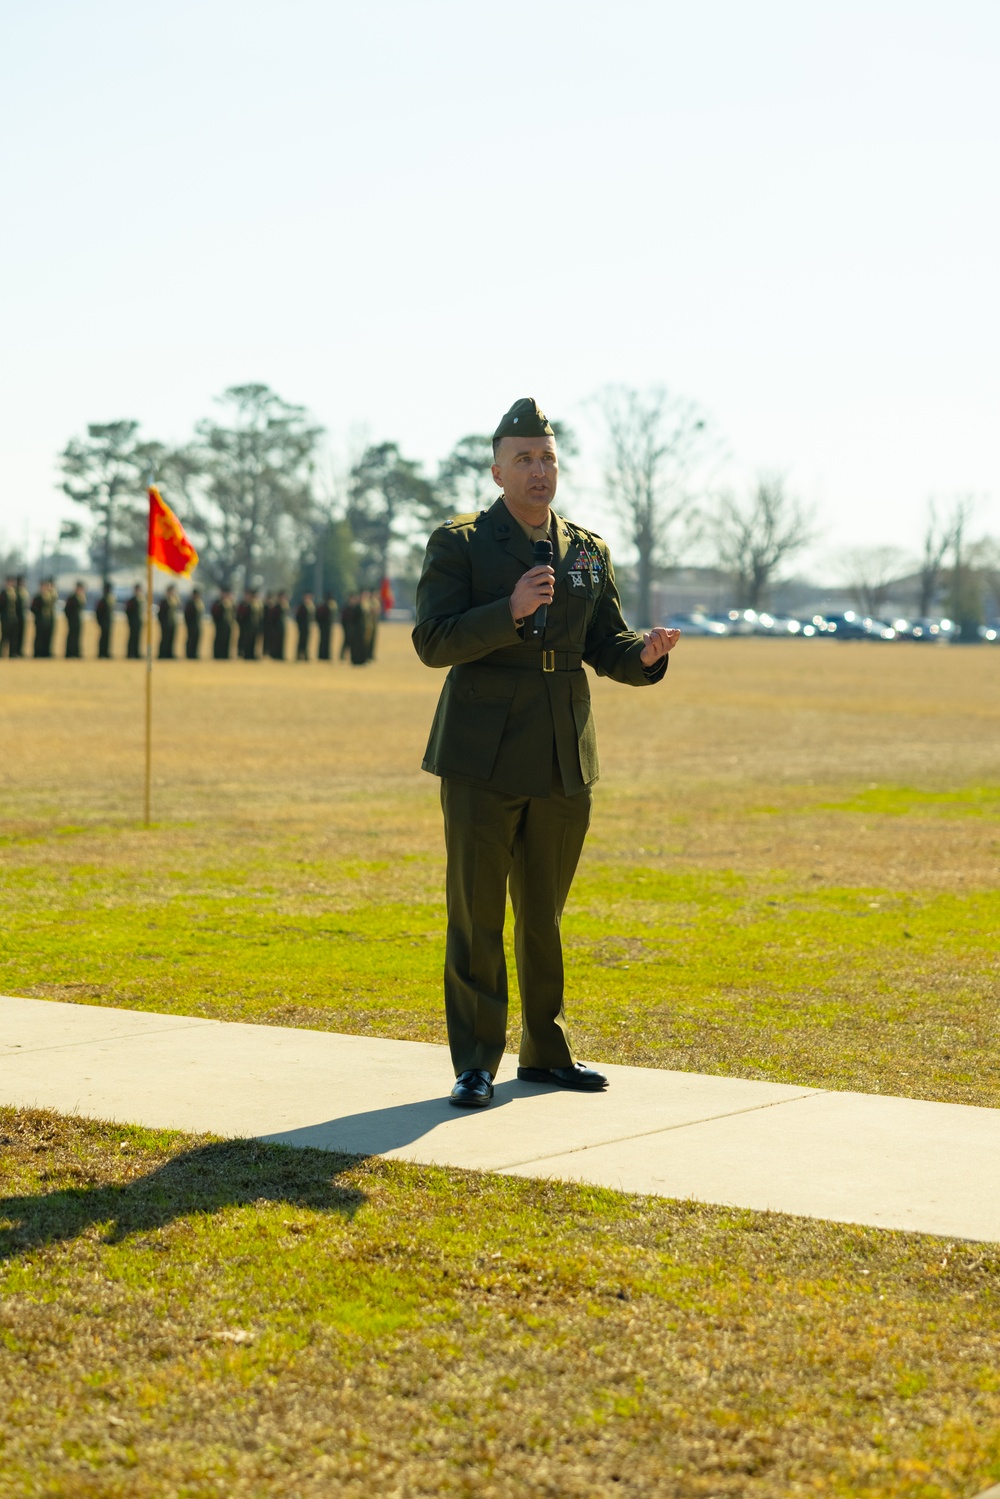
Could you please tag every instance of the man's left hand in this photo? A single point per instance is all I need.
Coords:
(657, 643)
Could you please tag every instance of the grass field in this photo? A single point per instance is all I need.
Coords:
(791, 873)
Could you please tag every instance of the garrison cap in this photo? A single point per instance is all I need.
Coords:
(524, 419)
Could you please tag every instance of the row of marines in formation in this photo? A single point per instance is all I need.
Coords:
(257, 625)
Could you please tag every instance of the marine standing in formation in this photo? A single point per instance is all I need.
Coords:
(326, 614)
(74, 610)
(359, 621)
(248, 618)
(22, 608)
(43, 608)
(274, 620)
(248, 623)
(193, 611)
(167, 615)
(514, 744)
(8, 609)
(222, 618)
(105, 612)
(135, 613)
(305, 614)
(348, 614)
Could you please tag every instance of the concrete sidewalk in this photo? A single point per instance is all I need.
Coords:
(852, 1157)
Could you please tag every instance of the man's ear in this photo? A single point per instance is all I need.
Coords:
(495, 471)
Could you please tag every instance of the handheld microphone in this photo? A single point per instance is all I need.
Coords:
(542, 557)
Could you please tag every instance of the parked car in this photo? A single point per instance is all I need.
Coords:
(741, 621)
(847, 626)
(932, 631)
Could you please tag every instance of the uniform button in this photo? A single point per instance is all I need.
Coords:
(470, 692)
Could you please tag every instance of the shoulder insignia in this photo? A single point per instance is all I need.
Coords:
(460, 520)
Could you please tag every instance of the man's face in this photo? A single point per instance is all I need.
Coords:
(527, 470)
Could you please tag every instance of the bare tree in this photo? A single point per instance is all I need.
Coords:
(989, 566)
(869, 573)
(938, 534)
(657, 443)
(753, 539)
(965, 593)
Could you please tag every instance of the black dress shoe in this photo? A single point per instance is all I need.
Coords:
(473, 1089)
(583, 1079)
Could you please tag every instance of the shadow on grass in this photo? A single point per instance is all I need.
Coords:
(228, 1174)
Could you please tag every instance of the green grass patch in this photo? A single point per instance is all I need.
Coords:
(757, 975)
(902, 801)
(193, 1316)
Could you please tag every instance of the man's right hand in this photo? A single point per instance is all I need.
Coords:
(536, 587)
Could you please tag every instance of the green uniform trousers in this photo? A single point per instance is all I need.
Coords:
(533, 843)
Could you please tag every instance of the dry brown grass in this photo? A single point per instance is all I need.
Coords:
(853, 950)
(777, 721)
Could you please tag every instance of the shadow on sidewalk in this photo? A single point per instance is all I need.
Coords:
(380, 1130)
(228, 1174)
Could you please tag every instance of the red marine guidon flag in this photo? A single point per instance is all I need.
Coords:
(168, 547)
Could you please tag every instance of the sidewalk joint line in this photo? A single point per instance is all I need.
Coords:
(8, 1050)
(666, 1129)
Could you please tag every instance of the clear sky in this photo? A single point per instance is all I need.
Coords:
(406, 215)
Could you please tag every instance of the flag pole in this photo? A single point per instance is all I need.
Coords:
(149, 682)
(170, 549)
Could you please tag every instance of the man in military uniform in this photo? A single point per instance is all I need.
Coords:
(326, 613)
(104, 611)
(22, 608)
(222, 618)
(513, 742)
(8, 608)
(193, 611)
(74, 609)
(254, 624)
(43, 607)
(305, 614)
(135, 613)
(275, 620)
(248, 622)
(349, 616)
(170, 607)
(372, 610)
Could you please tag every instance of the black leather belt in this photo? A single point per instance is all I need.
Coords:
(530, 659)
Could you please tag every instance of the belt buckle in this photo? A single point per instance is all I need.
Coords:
(548, 661)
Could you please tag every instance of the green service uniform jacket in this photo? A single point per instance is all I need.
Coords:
(508, 700)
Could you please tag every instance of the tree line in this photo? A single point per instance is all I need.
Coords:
(266, 509)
